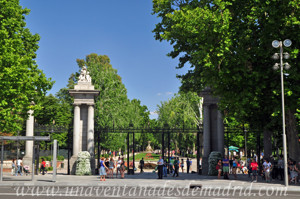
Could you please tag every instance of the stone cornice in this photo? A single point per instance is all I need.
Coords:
(90, 92)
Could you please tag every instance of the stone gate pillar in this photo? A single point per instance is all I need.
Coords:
(27, 159)
(83, 132)
(213, 128)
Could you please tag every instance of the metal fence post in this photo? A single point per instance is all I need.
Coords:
(198, 151)
(2, 154)
(133, 150)
(128, 150)
(33, 161)
(54, 160)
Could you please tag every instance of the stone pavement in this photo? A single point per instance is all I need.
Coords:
(148, 179)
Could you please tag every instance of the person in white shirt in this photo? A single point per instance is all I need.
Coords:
(118, 166)
(267, 168)
(160, 165)
(19, 167)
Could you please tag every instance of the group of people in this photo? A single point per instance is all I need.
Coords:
(230, 166)
(173, 165)
(227, 166)
(107, 166)
(16, 167)
(293, 171)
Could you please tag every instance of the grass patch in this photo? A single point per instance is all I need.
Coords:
(146, 156)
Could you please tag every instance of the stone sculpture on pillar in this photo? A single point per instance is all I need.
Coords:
(213, 128)
(83, 129)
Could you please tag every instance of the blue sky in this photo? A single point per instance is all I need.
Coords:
(120, 29)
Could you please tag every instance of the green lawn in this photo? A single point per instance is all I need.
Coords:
(139, 156)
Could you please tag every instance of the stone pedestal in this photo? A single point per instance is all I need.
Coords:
(213, 128)
(83, 133)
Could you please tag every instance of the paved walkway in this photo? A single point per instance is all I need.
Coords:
(148, 179)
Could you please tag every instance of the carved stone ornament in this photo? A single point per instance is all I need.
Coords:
(84, 75)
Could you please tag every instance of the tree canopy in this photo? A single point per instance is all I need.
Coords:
(113, 109)
(21, 81)
(227, 45)
(183, 111)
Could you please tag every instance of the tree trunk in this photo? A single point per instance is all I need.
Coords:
(292, 136)
(267, 143)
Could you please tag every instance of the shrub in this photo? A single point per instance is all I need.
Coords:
(60, 157)
(50, 168)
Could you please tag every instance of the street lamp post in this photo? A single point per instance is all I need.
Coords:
(276, 44)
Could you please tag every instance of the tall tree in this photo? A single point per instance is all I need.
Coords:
(54, 111)
(112, 107)
(228, 47)
(21, 81)
(184, 110)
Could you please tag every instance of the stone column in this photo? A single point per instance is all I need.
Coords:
(29, 144)
(76, 130)
(220, 133)
(206, 138)
(29, 132)
(90, 136)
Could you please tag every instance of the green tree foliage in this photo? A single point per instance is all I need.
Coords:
(184, 110)
(20, 79)
(228, 47)
(236, 134)
(113, 109)
(112, 100)
(54, 111)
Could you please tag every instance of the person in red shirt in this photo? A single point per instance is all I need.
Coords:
(254, 166)
(219, 168)
(43, 166)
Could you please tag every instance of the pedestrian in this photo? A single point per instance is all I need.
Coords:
(118, 166)
(107, 166)
(176, 167)
(200, 166)
(234, 167)
(294, 172)
(102, 170)
(182, 166)
(122, 168)
(230, 165)
(171, 161)
(13, 167)
(19, 167)
(165, 171)
(280, 167)
(43, 166)
(226, 167)
(142, 165)
(249, 161)
(267, 170)
(188, 164)
(160, 165)
(219, 168)
(254, 167)
(111, 167)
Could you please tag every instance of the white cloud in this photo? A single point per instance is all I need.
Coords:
(165, 94)
(153, 112)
